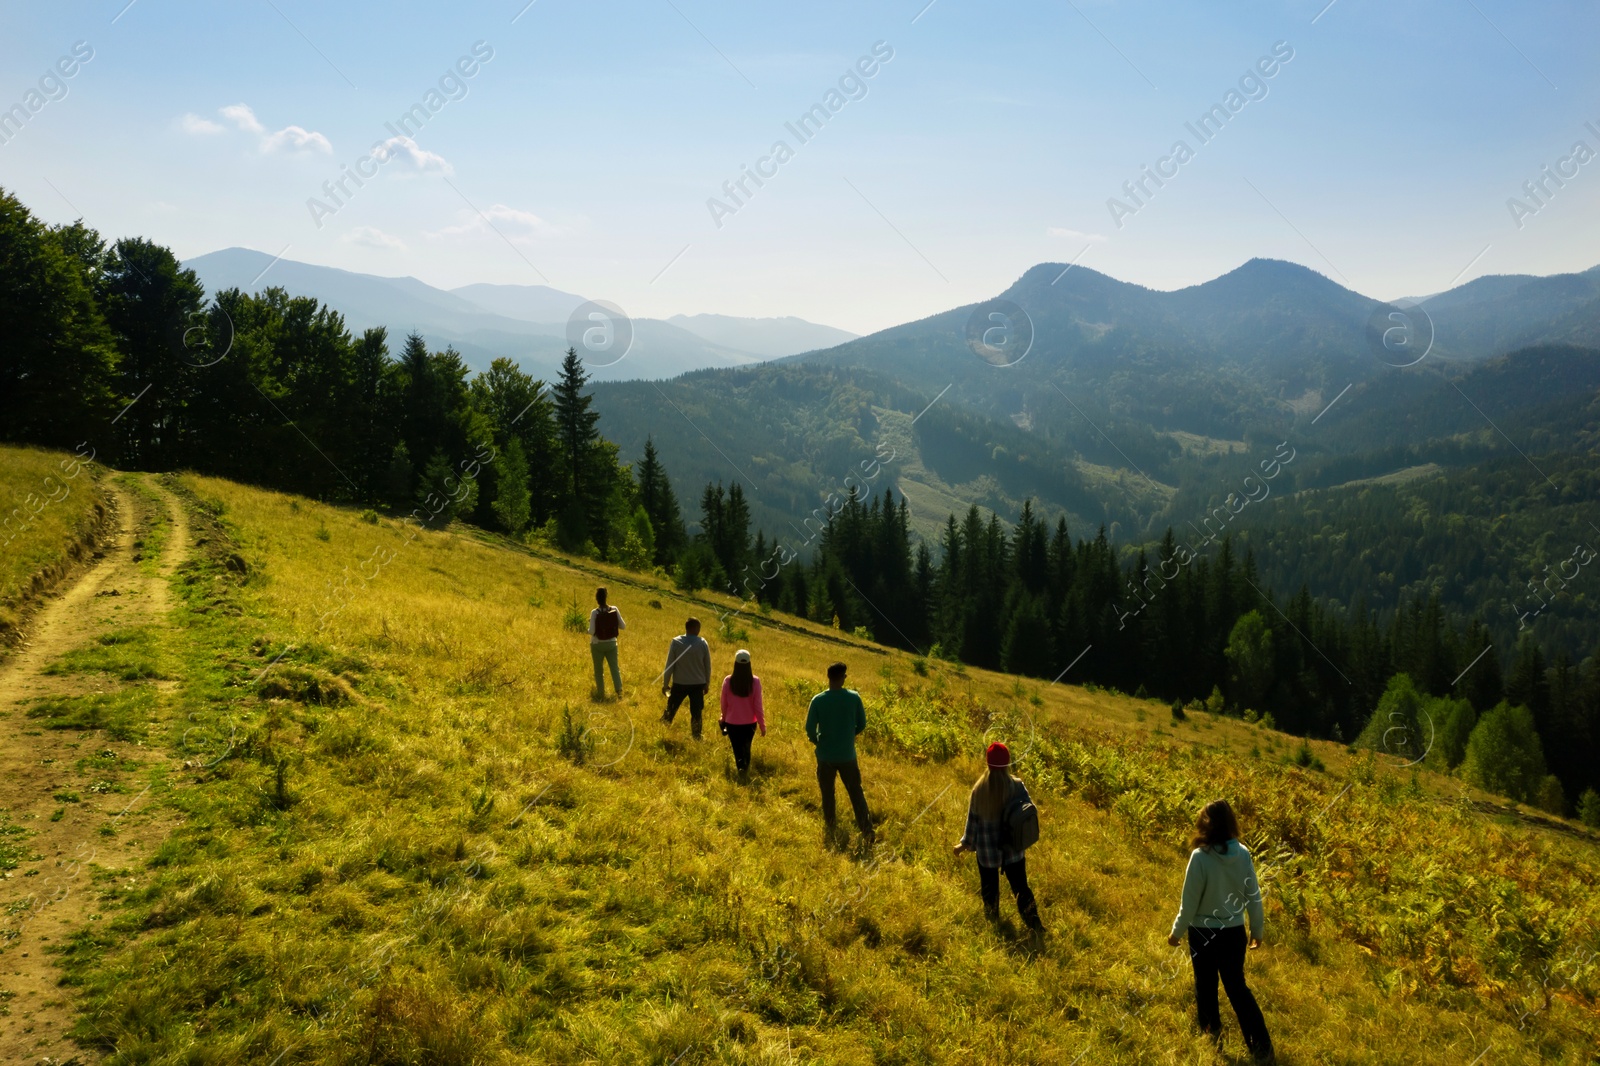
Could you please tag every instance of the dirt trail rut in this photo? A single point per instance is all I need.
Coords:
(76, 794)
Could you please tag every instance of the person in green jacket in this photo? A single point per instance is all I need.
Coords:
(832, 723)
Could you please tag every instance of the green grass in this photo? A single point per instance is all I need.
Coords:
(132, 653)
(124, 714)
(46, 503)
(151, 537)
(13, 847)
(415, 839)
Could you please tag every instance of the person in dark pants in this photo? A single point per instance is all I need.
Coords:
(833, 721)
(1219, 888)
(687, 675)
(992, 796)
(741, 711)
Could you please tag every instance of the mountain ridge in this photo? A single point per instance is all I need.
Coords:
(474, 318)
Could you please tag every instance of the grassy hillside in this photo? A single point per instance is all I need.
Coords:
(406, 835)
(49, 501)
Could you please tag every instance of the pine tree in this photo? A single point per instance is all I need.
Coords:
(443, 494)
(661, 505)
(575, 426)
(512, 500)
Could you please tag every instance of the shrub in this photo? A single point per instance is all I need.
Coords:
(1589, 808)
(573, 618)
(1455, 719)
(572, 739)
(1504, 755)
(1550, 796)
(1396, 726)
(369, 516)
(1177, 711)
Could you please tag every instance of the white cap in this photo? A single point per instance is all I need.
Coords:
(741, 656)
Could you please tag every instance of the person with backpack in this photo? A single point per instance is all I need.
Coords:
(687, 675)
(741, 711)
(833, 721)
(1002, 823)
(605, 622)
(1219, 889)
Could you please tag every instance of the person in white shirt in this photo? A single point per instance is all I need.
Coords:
(1219, 889)
(605, 622)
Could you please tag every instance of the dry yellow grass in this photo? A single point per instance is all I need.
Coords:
(401, 858)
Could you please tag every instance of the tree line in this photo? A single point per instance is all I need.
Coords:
(115, 346)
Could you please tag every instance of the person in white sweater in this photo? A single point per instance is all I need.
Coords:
(1219, 891)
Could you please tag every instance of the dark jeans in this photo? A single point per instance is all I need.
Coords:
(697, 705)
(1017, 874)
(740, 736)
(850, 774)
(1220, 953)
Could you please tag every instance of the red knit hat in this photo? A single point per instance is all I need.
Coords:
(997, 754)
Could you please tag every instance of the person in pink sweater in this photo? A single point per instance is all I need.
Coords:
(741, 711)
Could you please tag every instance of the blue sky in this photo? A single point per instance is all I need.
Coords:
(583, 153)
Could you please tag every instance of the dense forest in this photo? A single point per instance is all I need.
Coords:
(116, 352)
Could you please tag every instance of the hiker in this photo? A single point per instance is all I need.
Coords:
(687, 675)
(989, 836)
(832, 722)
(741, 711)
(1221, 880)
(605, 622)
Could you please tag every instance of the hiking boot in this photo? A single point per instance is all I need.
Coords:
(744, 775)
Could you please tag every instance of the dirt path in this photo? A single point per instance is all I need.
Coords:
(76, 796)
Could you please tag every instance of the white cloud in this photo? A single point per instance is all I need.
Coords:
(241, 115)
(296, 138)
(1073, 234)
(373, 237)
(292, 138)
(512, 223)
(412, 158)
(199, 127)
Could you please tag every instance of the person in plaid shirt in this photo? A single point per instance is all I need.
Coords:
(994, 793)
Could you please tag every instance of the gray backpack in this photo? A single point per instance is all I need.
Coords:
(1020, 823)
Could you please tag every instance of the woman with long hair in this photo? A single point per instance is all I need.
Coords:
(741, 711)
(993, 796)
(1219, 890)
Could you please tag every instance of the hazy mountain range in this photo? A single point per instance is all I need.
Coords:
(526, 322)
(1132, 409)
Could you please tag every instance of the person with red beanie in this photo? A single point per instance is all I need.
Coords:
(994, 796)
